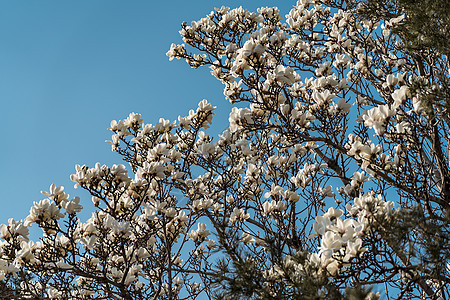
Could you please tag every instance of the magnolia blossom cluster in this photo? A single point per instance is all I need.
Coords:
(95, 243)
(303, 81)
(308, 97)
(341, 239)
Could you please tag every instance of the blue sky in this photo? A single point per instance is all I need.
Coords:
(67, 68)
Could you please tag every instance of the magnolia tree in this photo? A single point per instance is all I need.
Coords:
(332, 179)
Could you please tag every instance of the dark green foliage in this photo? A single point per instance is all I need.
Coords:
(242, 278)
(427, 23)
(11, 290)
(424, 239)
(425, 33)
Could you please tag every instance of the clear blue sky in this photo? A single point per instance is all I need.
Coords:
(67, 68)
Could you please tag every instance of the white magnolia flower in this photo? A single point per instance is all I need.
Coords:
(400, 95)
(57, 194)
(326, 191)
(323, 98)
(43, 211)
(284, 75)
(238, 214)
(14, 229)
(247, 238)
(239, 117)
(73, 206)
(200, 234)
(342, 106)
